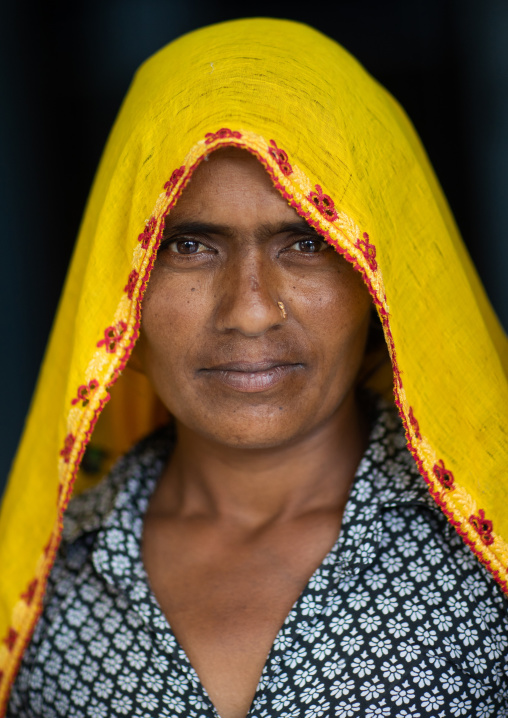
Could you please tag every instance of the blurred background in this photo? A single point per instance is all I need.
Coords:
(65, 67)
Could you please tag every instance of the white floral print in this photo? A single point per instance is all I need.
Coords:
(399, 621)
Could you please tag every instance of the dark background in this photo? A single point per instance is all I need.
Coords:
(64, 68)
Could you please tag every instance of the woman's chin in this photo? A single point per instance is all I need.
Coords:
(266, 429)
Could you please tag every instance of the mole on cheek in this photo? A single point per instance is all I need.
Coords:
(193, 289)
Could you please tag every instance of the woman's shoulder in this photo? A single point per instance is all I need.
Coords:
(141, 466)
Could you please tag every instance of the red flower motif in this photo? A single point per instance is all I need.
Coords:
(112, 336)
(443, 475)
(221, 134)
(131, 283)
(281, 158)
(11, 638)
(84, 392)
(174, 179)
(368, 250)
(29, 594)
(67, 449)
(414, 423)
(324, 203)
(146, 235)
(483, 527)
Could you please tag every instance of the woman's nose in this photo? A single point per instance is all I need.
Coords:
(249, 298)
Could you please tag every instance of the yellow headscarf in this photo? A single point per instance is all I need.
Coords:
(345, 156)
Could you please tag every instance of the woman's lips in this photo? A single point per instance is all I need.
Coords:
(251, 376)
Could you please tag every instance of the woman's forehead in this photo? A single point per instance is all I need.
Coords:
(232, 188)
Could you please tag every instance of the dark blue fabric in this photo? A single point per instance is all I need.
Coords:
(399, 621)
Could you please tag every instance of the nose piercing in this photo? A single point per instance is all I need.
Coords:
(282, 309)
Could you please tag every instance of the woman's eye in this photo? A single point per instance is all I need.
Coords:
(310, 245)
(186, 246)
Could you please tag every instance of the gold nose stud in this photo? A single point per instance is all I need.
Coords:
(282, 309)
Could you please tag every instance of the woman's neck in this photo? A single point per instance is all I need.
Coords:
(255, 487)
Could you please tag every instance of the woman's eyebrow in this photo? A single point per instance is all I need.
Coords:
(299, 227)
(263, 232)
(191, 227)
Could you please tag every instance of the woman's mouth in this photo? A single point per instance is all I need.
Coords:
(251, 376)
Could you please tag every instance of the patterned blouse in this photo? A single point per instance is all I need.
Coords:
(399, 621)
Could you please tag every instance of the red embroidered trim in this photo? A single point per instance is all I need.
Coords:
(146, 235)
(221, 134)
(85, 391)
(281, 158)
(173, 180)
(368, 250)
(385, 319)
(28, 595)
(443, 475)
(483, 526)
(112, 336)
(67, 448)
(54, 540)
(414, 424)
(397, 376)
(324, 203)
(131, 282)
(11, 638)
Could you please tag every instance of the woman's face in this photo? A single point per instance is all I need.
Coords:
(222, 354)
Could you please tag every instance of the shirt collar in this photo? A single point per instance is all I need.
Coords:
(387, 477)
(127, 486)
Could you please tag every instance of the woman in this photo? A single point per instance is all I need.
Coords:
(253, 337)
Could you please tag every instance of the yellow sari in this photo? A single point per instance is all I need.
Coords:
(342, 152)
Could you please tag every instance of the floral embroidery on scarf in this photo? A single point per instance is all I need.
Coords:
(65, 453)
(416, 426)
(85, 391)
(221, 134)
(146, 235)
(112, 336)
(131, 283)
(444, 475)
(324, 203)
(177, 174)
(368, 250)
(281, 158)
(29, 594)
(483, 526)
(11, 639)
